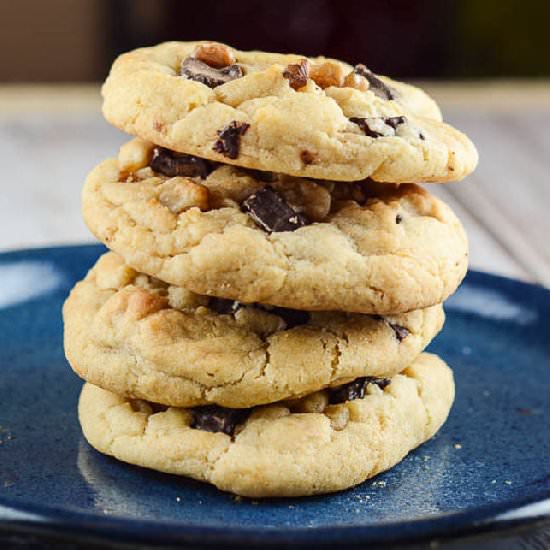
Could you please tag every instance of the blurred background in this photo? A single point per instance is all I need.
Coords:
(487, 62)
(76, 40)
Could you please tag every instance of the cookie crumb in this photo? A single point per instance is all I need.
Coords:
(457, 446)
(380, 483)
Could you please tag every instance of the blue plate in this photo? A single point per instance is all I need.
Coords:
(489, 467)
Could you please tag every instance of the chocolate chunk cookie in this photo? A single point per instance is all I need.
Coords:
(315, 117)
(284, 449)
(273, 239)
(139, 337)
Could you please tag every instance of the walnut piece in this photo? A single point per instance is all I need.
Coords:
(134, 155)
(183, 299)
(142, 303)
(297, 74)
(258, 320)
(179, 194)
(354, 80)
(306, 196)
(215, 54)
(329, 73)
(339, 416)
(315, 402)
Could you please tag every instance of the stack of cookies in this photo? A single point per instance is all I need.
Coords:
(274, 274)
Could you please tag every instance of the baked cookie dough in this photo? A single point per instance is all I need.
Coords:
(262, 237)
(306, 447)
(316, 118)
(135, 336)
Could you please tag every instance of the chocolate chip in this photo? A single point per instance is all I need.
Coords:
(171, 164)
(229, 141)
(400, 332)
(421, 136)
(355, 389)
(297, 74)
(223, 306)
(378, 127)
(271, 212)
(196, 70)
(212, 418)
(377, 86)
(398, 218)
(395, 121)
(307, 157)
(363, 123)
(291, 317)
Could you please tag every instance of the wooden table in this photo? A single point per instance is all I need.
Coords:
(50, 137)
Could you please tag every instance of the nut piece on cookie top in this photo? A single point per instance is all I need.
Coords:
(283, 113)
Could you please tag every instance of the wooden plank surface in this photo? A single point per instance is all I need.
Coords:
(50, 137)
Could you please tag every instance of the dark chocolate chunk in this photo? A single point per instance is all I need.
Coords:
(363, 123)
(271, 212)
(395, 121)
(297, 74)
(223, 305)
(212, 418)
(229, 141)
(196, 70)
(355, 389)
(171, 164)
(400, 332)
(366, 124)
(398, 218)
(377, 86)
(291, 317)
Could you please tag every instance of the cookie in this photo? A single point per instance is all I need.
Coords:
(317, 118)
(254, 237)
(135, 336)
(286, 449)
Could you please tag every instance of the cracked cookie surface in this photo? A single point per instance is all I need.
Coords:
(305, 117)
(276, 451)
(365, 247)
(135, 336)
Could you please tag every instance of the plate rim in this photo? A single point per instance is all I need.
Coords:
(478, 520)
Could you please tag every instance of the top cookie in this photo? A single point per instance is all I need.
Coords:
(315, 117)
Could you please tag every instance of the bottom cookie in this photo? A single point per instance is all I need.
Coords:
(324, 442)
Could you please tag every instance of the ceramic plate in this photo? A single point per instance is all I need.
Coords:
(487, 469)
